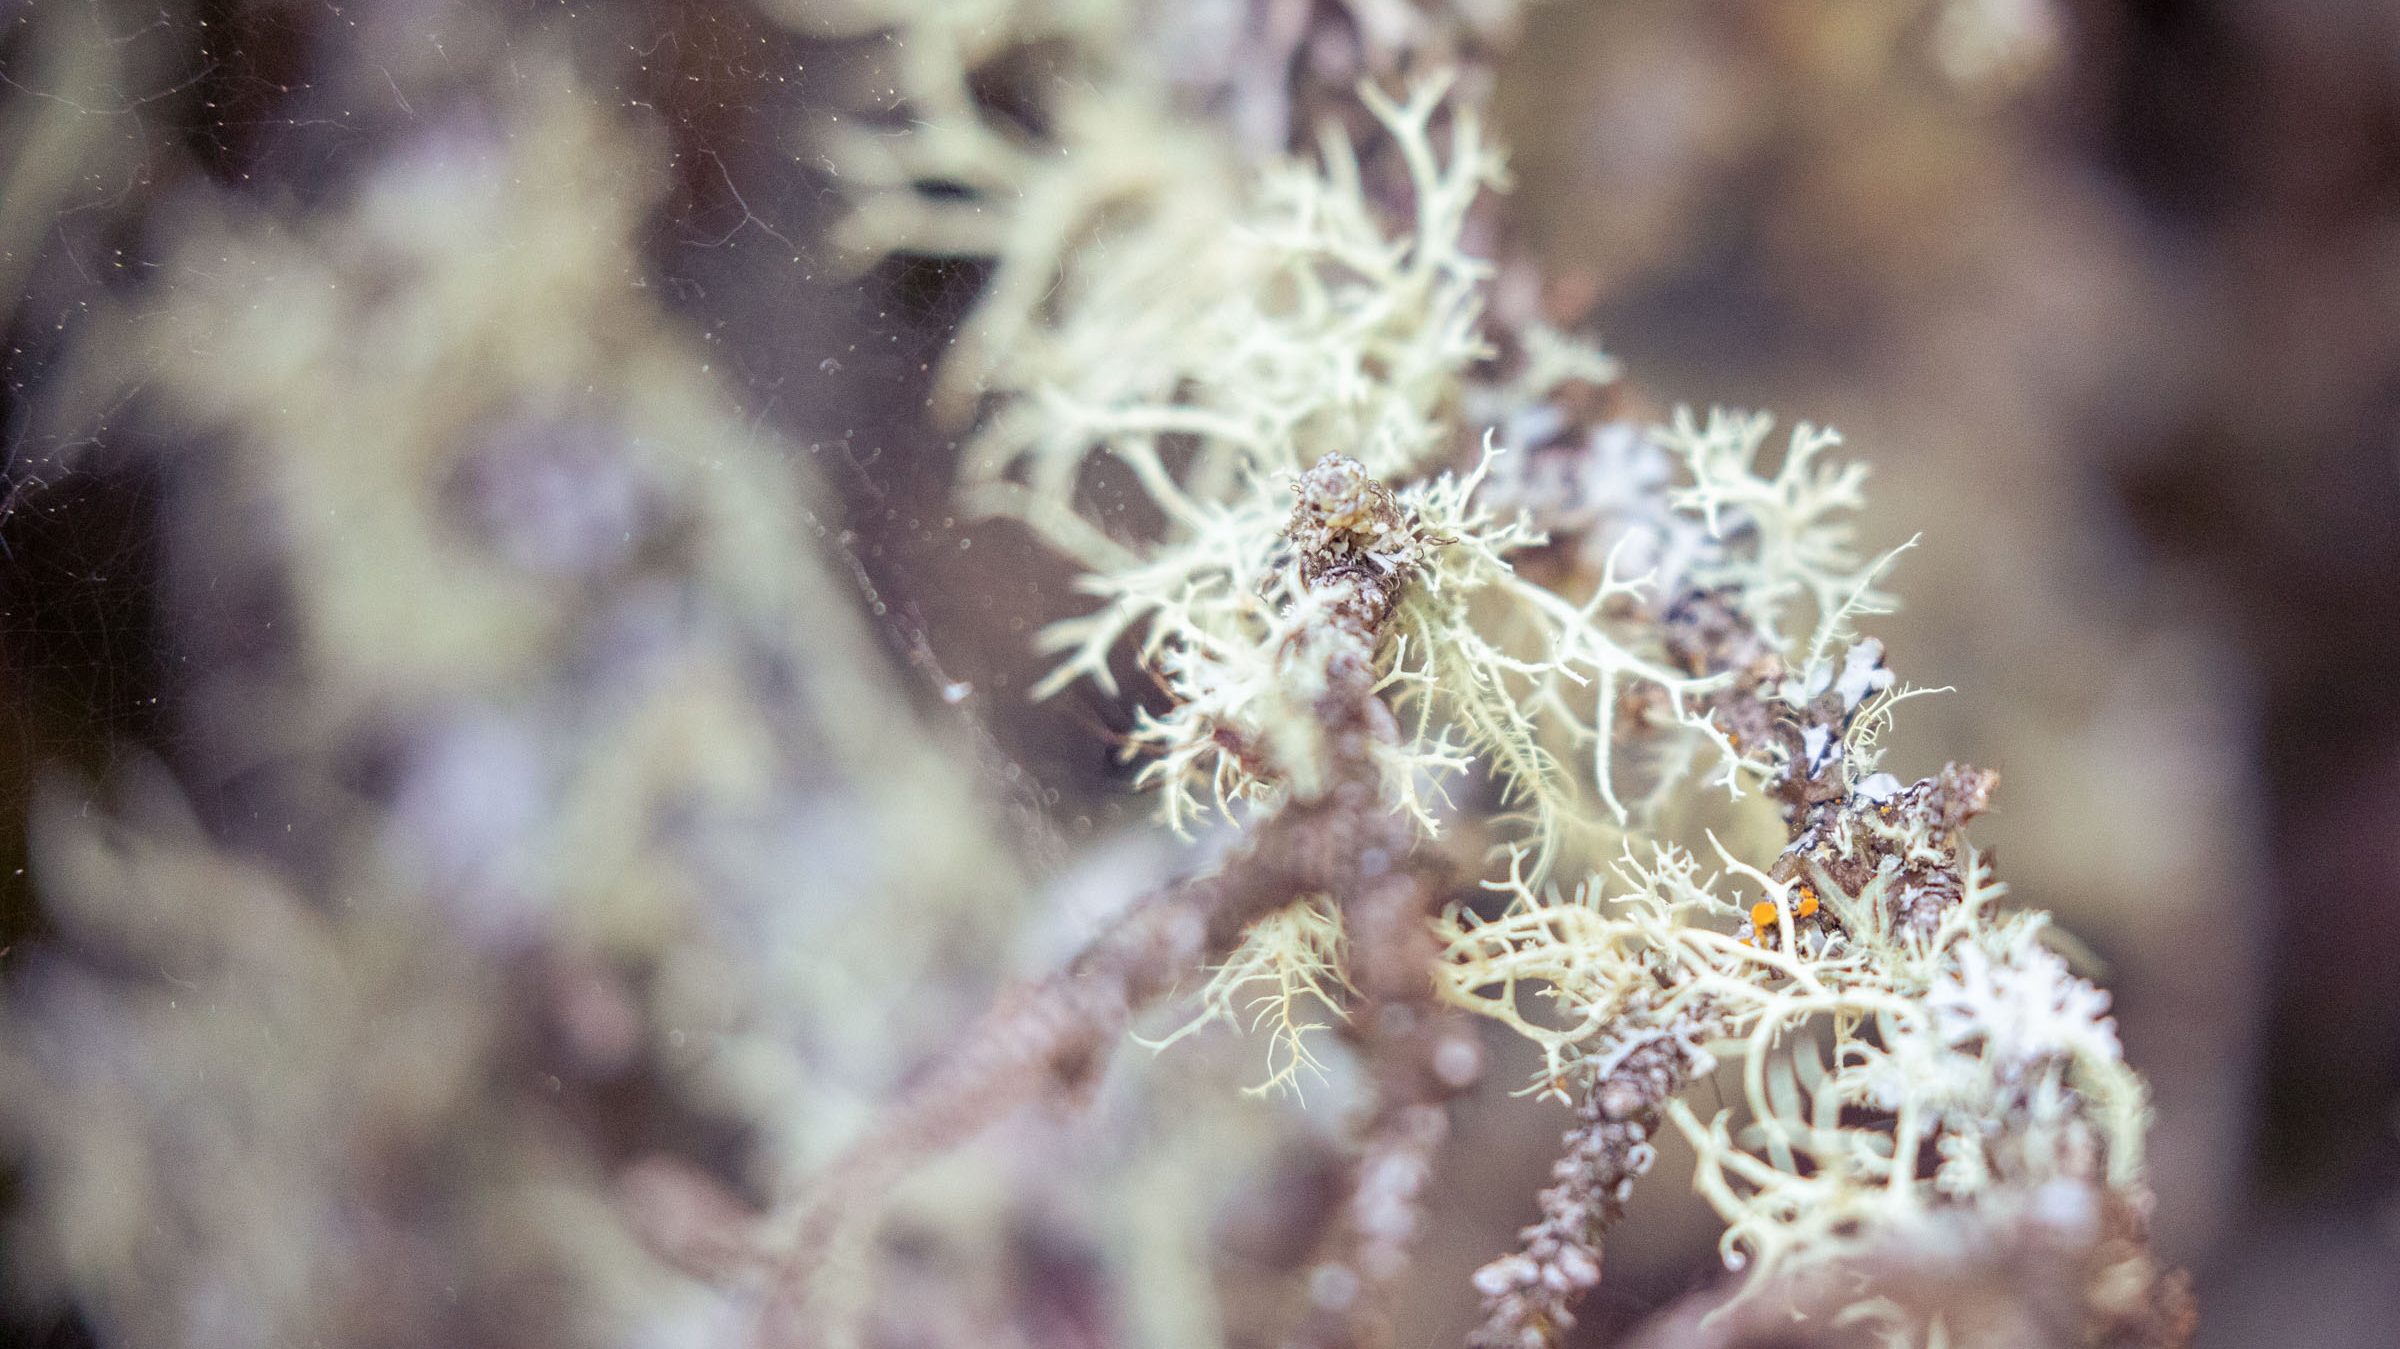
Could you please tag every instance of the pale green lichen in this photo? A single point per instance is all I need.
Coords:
(1173, 339)
(1286, 974)
(1887, 1072)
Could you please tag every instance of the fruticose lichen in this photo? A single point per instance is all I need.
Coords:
(1597, 622)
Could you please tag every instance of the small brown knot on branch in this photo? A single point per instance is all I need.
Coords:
(1347, 521)
(1358, 545)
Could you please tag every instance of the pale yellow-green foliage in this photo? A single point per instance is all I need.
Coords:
(1173, 334)
(1213, 331)
(1788, 533)
(1318, 328)
(1591, 958)
(1286, 973)
(1209, 354)
(1123, 191)
(1858, 1049)
(1213, 368)
(1517, 673)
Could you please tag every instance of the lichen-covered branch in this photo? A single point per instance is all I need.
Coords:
(1265, 321)
(1529, 1295)
(1991, 1077)
(1354, 552)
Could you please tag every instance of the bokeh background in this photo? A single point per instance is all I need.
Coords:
(2108, 293)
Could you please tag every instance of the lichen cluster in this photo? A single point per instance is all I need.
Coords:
(581, 921)
(1598, 622)
(571, 785)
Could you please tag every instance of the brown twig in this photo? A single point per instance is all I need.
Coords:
(1421, 1055)
(1529, 1295)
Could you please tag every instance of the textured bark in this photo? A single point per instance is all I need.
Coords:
(1529, 1295)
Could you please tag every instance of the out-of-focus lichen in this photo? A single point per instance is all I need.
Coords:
(595, 876)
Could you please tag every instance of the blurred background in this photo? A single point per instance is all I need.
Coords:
(427, 425)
